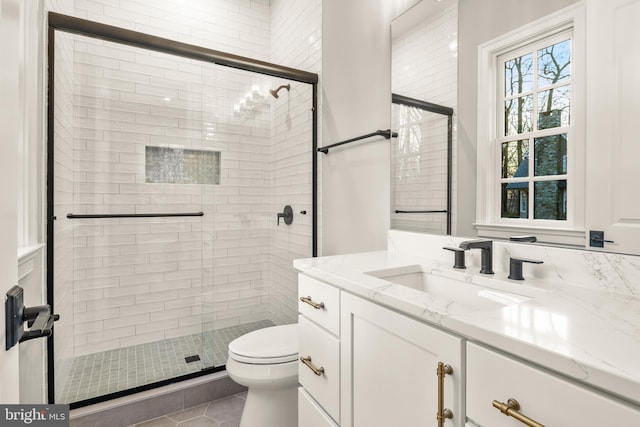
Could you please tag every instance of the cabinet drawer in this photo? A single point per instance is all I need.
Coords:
(543, 397)
(327, 316)
(324, 350)
(310, 414)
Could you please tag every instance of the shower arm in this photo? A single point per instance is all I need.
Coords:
(274, 92)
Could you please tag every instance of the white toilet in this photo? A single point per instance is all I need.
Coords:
(266, 361)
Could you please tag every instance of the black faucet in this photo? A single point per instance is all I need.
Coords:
(486, 248)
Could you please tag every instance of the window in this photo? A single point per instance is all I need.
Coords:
(535, 93)
(530, 139)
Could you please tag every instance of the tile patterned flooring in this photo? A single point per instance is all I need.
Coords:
(111, 371)
(224, 412)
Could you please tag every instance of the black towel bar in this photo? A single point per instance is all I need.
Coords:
(140, 215)
(387, 134)
(401, 211)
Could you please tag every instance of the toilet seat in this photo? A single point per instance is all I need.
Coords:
(267, 346)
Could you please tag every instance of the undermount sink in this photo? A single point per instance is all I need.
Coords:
(467, 294)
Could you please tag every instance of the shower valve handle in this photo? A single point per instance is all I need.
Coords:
(287, 215)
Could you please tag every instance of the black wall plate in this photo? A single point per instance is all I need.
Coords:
(13, 309)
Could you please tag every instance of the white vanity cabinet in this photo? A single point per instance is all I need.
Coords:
(319, 351)
(310, 413)
(542, 397)
(389, 365)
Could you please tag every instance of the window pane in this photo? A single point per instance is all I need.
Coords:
(550, 155)
(515, 159)
(518, 115)
(553, 107)
(515, 202)
(550, 200)
(518, 75)
(554, 63)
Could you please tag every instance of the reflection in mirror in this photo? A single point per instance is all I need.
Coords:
(424, 69)
(421, 166)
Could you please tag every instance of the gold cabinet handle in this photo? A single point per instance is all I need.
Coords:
(443, 413)
(511, 409)
(316, 305)
(307, 361)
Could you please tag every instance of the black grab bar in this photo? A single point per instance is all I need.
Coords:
(387, 134)
(140, 215)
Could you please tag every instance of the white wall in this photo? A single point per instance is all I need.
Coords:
(9, 136)
(356, 100)
(31, 252)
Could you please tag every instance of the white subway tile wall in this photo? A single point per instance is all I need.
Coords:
(295, 42)
(424, 66)
(419, 169)
(171, 263)
(241, 27)
(138, 280)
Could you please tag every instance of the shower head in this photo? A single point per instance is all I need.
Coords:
(274, 92)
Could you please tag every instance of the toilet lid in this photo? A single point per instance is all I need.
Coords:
(276, 344)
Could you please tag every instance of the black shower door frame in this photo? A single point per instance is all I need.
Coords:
(70, 24)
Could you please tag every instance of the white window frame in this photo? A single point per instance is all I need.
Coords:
(488, 207)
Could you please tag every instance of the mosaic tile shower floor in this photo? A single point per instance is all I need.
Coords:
(97, 374)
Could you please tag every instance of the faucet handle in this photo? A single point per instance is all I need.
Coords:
(515, 267)
(458, 258)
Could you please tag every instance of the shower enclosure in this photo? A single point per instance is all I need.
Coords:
(168, 165)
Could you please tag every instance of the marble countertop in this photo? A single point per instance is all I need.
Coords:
(590, 335)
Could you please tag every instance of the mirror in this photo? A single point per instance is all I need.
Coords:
(424, 86)
(434, 58)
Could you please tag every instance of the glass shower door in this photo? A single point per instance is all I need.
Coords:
(131, 179)
(168, 177)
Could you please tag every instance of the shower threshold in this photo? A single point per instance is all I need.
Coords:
(98, 374)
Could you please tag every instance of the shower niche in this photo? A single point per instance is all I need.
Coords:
(177, 165)
(166, 180)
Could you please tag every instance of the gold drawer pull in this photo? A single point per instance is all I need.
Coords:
(511, 409)
(316, 305)
(307, 361)
(443, 413)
